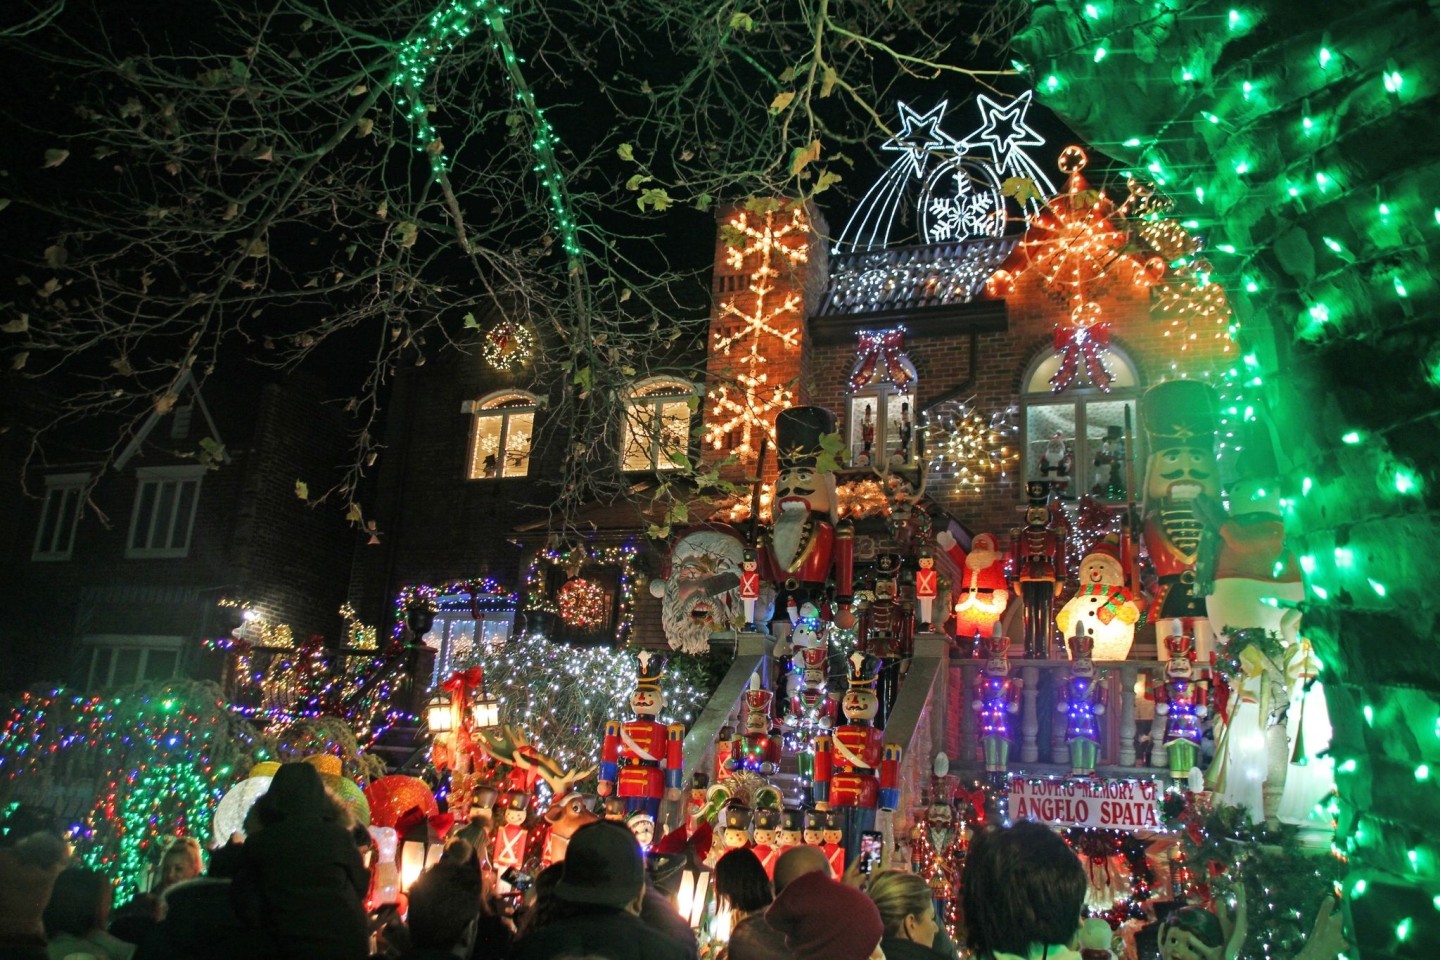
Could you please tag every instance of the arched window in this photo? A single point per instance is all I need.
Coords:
(1076, 438)
(881, 409)
(504, 429)
(657, 424)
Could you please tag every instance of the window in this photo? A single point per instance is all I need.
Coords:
(881, 414)
(117, 660)
(164, 512)
(1076, 438)
(59, 515)
(504, 429)
(657, 425)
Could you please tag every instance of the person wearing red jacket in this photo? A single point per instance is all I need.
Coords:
(642, 760)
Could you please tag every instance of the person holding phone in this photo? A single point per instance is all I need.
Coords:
(908, 912)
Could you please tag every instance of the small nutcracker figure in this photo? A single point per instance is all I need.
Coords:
(767, 849)
(855, 770)
(792, 829)
(641, 760)
(758, 749)
(867, 439)
(904, 433)
(1180, 699)
(1037, 564)
(981, 593)
(834, 846)
(997, 697)
(642, 825)
(1082, 699)
(736, 833)
(887, 631)
(749, 586)
(927, 588)
(512, 837)
(814, 833)
(695, 803)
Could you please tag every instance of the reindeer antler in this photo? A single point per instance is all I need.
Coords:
(560, 782)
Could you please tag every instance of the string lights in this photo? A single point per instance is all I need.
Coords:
(538, 596)
(971, 446)
(507, 346)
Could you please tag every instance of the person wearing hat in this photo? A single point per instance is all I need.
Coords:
(1082, 699)
(824, 919)
(602, 881)
(1179, 417)
(1037, 559)
(642, 760)
(807, 548)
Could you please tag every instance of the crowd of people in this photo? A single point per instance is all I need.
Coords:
(296, 889)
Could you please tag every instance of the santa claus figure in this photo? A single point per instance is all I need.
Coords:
(1082, 699)
(512, 837)
(981, 593)
(1181, 700)
(758, 748)
(807, 549)
(767, 844)
(1179, 417)
(699, 595)
(1056, 462)
(1037, 564)
(641, 760)
(997, 698)
(1103, 608)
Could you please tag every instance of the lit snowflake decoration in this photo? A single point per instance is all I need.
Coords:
(973, 446)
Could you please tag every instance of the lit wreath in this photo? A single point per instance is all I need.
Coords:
(507, 346)
(582, 603)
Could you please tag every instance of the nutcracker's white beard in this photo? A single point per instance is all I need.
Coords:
(686, 632)
(786, 532)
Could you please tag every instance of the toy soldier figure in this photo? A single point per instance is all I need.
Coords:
(834, 846)
(887, 631)
(1180, 699)
(1037, 563)
(855, 770)
(997, 698)
(512, 837)
(641, 760)
(927, 588)
(807, 548)
(767, 823)
(814, 835)
(1082, 699)
(792, 829)
(749, 586)
(758, 749)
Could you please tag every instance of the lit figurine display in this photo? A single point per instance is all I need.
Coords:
(757, 750)
(641, 760)
(981, 593)
(792, 829)
(1037, 564)
(512, 836)
(997, 697)
(749, 586)
(1103, 608)
(767, 846)
(854, 768)
(1180, 699)
(887, 630)
(1082, 699)
(807, 550)
(927, 588)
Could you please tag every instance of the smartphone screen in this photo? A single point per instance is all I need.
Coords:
(871, 842)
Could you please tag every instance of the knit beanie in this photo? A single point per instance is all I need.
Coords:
(27, 876)
(823, 919)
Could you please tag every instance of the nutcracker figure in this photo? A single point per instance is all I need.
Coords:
(981, 593)
(1180, 699)
(807, 549)
(997, 697)
(906, 431)
(1104, 607)
(855, 770)
(834, 845)
(642, 825)
(1179, 417)
(811, 707)
(767, 848)
(927, 588)
(867, 439)
(749, 586)
(758, 749)
(887, 631)
(641, 760)
(814, 833)
(512, 837)
(1037, 564)
(695, 803)
(792, 829)
(1082, 699)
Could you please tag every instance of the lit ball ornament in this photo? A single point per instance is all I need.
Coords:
(582, 603)
(507, 346)
(232, 809)
(391, 797)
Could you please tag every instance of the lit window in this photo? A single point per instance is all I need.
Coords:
(1076, 438)
(657, 425)
(164, 513)
(59, 514)
(882, 387)
(504, 431)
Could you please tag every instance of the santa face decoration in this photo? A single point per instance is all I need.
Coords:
(693, 605)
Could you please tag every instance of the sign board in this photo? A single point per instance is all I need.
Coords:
(1130, 805)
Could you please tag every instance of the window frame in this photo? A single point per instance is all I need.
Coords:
(64, 484)
(111, 645)
(880, 389)
(492, 405)
(683, 390)
(159, 476)
(1078, 397)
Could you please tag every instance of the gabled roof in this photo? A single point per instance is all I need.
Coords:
(187, 383)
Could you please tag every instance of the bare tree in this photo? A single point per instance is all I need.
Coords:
(387, 173)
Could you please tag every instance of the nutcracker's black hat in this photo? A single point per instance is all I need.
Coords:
(1180, 413)
(797, 435)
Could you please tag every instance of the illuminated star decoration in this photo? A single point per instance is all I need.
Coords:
(920, 135)
(1003, 130)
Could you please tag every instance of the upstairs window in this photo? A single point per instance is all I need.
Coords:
(881, 409)
(504, 430)
(657, 425)
(1076, 438)
(59, 515)
(164, 514)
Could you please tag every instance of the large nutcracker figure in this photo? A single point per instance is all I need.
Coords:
(641, 760)
(1179, 417)
(807, 549)
(887, 631)
(757, 750)
(1037, 564)
(1181, 700)
(855, 769)
(1082, 699)
(997, 697)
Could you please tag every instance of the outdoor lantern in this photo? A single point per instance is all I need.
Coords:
(440, 714)
(690, 898)
(415, 857)
(485, 710)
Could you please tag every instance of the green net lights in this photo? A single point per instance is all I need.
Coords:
(1405, 481)
(1422, 773)
(1377, 586)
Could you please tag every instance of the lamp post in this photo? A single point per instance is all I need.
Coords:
(440, 714)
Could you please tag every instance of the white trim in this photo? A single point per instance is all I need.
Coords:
(678, 389)
(187, 379)
(63, 484)
(493, 405)
(109, 646)
(159, 477)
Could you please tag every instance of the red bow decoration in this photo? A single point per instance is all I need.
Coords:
(463, 681)
(413, 823)
(975, 798)
(887, 346)
(1084, 339)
